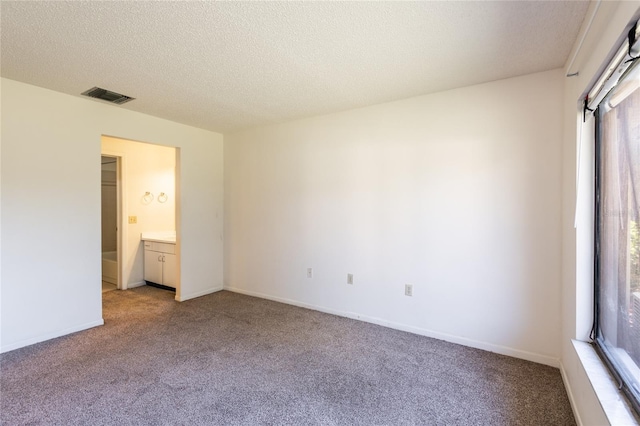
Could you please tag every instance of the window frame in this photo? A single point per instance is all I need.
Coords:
(621, 375)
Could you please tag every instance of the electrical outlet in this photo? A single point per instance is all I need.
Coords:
(349, 278)
(408, 290)
(309, 272)
(133, 219)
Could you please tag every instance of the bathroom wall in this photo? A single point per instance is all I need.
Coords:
(109, 205)
(145, 168)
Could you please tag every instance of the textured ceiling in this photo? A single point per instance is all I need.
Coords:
(226, 66)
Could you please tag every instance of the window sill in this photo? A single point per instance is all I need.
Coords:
(612, 400)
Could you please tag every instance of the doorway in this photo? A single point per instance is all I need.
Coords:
(147, 207)
(110, 219)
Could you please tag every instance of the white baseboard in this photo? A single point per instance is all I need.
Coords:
(48, 336)
(572, 400)
(184, 297)
(110, 280)
(136, 284)
(503, 350)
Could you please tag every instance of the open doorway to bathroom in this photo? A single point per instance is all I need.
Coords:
(147, 206)
(110, 214)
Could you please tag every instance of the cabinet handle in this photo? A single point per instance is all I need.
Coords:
(160, 258)
(163, 258)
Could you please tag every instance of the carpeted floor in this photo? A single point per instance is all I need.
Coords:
(230, 359)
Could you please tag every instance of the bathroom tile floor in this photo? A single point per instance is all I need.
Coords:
(108, 286)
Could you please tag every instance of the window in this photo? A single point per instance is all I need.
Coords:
(617, 229)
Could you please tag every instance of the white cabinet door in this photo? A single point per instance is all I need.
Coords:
(169, 270)
(153, 266)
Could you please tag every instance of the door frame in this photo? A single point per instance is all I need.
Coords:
(120, 208)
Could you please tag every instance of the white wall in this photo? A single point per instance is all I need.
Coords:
(147, 168)
(50, 199)
(605, 33)
(456, 193)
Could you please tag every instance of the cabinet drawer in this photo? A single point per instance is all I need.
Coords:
(161, 247)
(166, 248)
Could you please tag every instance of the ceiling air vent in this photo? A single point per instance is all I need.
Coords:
(107, 95)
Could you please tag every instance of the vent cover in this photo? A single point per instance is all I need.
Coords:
(107, 95)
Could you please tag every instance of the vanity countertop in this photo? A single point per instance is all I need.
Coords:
(159, 237)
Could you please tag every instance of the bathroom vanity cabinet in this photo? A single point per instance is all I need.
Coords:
(160, 265)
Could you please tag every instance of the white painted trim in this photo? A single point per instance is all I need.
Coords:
(177, 178)
(184, 297)
(27, 342)
(572, 401)
(137, 284)
(503, 350)
(582, 38)
(110, 280)
(121, 208)
(612, 400)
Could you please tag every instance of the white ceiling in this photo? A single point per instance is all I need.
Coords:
(226, 66)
